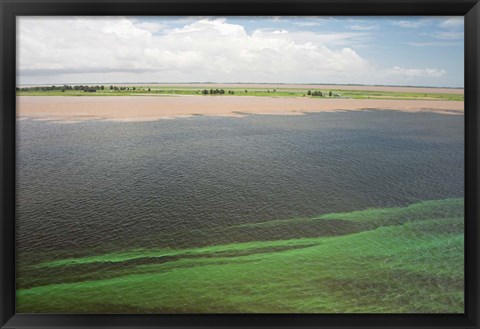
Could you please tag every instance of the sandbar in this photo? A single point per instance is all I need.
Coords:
(149, 108)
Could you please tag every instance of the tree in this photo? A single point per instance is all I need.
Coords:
(102, 87)
(149, 89)
(330, 93)
(111, 87)
(309, 92)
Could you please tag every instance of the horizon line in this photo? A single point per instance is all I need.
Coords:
(236, 83)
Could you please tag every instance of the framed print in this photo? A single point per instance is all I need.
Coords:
(232, 164)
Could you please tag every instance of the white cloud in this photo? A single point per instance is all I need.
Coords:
(80, 43)
(91, 49)
(151, 26)
(453, 22)
(410, 24)
(312, 21)
(433, 44)
(207, 49)
(415, 73)
(210, 28)
(363, 27)
(448, 35)
(303, 24)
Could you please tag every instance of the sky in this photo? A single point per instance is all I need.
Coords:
(398, 50)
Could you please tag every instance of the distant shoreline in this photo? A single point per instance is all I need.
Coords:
(150, 108)
(412, 89)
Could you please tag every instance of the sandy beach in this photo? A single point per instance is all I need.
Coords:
(148, 108)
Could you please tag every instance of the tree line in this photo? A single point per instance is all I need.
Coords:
(216, 92)
(85, 88)
(94, 88)
(319, 93)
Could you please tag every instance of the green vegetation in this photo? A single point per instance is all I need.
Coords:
(390, 260)
(101, 90)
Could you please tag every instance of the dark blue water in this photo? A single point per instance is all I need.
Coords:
(97, 185)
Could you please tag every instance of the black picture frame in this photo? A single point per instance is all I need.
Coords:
(10, 9)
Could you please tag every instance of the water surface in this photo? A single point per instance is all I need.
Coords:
(102, 185)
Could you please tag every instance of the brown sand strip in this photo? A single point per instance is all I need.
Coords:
(147, 108)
